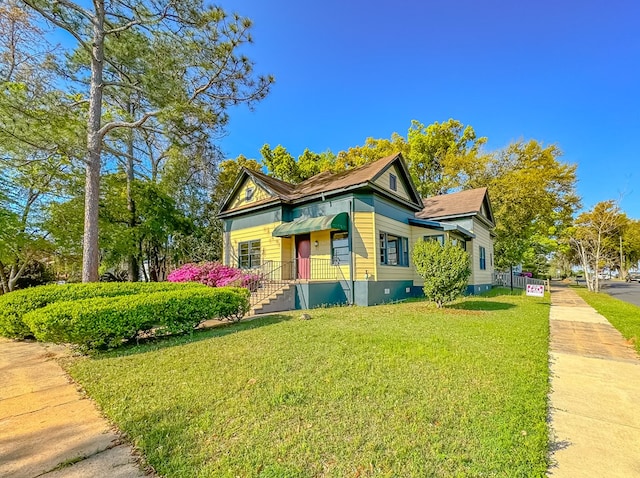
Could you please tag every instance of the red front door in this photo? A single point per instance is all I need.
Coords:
(303, 255)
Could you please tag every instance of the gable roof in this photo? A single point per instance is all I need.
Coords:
(275, 186)
(454, 205)
(328, 183)
(352, 177)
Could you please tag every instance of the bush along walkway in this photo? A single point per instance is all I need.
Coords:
(48, 428)
(595, 397)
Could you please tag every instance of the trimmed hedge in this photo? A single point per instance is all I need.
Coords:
(14, 305)
(106, 322)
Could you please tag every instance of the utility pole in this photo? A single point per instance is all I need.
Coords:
(621, 259)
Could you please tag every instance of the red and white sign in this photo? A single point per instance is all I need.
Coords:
(535, 290)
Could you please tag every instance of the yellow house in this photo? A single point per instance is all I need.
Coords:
(346, 238)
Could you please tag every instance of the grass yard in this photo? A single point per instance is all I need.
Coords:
(623, 316)
(401, 390)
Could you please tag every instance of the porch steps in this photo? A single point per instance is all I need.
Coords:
(278, 301)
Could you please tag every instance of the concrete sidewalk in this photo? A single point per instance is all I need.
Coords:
(595, 393)
(47, 427)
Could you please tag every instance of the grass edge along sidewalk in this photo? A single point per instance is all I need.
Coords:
(623, 316)
(394, 390)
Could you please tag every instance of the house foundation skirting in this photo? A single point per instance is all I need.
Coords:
(478, 289)
(311, 295)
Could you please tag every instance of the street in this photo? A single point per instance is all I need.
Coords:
(627, 291)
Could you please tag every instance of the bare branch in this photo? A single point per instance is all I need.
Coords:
(124, 124)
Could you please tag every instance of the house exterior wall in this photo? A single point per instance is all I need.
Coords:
(384, 182)
(402, 229)
(481, 279)
(363, 245)
(370, 214)
(240, 198)
(271, 248)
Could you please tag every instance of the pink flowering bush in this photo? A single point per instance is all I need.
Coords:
(215, 274)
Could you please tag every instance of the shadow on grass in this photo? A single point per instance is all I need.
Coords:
(480, 305)
(157, 343)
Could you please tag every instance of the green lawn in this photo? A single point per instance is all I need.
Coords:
(623, 316)
(400, 390)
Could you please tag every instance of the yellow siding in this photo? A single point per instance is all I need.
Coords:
(364, 245)
(483, 238)
(383, 182)
(239, 199)
(288, 249)
(321, 265)
(271, 247)
(384, 224)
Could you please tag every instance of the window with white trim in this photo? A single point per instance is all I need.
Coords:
(483, 258)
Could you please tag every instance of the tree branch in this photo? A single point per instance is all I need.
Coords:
(124, 124)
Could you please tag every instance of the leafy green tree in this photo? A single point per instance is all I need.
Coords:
(372, 150)
(533, 199)
(595, 238)
(439, 152)
(280, 163)
(630, 246)
(444, 268)
(198, 73)
(310, 163)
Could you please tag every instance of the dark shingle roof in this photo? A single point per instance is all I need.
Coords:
(279, 187)
(325, 182)
(453, 204)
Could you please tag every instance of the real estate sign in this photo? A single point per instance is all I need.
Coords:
(535, 290)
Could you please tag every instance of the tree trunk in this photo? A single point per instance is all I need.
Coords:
(132, 261)
(3, 279)
(90, 250)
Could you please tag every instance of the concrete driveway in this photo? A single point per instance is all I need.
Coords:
(627, 291)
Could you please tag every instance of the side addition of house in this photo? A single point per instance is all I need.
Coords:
(347, 237)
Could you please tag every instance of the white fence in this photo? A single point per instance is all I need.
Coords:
(519, 282)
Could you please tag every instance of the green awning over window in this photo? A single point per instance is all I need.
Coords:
(338, 222)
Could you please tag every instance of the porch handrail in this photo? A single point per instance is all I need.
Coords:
(273, 276)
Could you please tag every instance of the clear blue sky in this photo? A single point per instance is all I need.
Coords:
(564, 72)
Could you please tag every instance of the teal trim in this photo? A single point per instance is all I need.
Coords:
(379, 292)
(475, 289)
(312, 295)
(392, 211)
(318, 208)
(363, 203)
(253, 219)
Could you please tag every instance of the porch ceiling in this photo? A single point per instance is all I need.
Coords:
(338, 222)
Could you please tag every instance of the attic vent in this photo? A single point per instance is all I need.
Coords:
(393, 182)
(248, 193)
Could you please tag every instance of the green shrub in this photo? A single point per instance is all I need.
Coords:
(444, 268)
(105, 322)
(14, 305)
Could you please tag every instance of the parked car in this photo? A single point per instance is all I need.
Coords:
(633, 277)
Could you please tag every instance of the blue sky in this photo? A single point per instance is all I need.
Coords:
(563, 72)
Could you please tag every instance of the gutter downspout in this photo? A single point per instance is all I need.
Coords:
(353, 256)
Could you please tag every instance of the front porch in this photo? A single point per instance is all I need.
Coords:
(304, 283)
